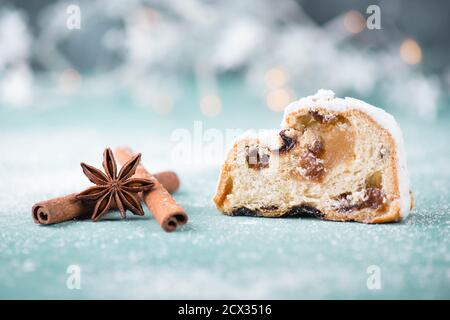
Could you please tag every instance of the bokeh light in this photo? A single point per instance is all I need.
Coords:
(69, 81)
(354, 21)
(275, 77)
(163, 104)
(210, 105)
(278, 99)
(410, 52)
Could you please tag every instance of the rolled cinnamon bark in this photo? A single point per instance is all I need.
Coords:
(164, 208)
(67, 208)
(169, 180)
(61, 209)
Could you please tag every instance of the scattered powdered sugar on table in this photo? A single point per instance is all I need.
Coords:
(213, 256)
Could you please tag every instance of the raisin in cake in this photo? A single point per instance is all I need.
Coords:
(338, 159)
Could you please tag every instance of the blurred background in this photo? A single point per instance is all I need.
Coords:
(159, 54)
(168, 78)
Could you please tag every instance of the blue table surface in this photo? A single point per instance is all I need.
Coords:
(213, 256)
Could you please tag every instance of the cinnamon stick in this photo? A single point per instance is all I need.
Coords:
(167, 212)
(68, 208)
(61, 209)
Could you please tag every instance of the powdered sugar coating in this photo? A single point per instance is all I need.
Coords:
(326, 99)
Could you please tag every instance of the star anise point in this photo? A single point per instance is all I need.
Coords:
(115, 189)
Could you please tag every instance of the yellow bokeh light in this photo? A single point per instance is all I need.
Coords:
(210, 105)
(410, 52)
(354, 21)
(275, 77)
(278, 99)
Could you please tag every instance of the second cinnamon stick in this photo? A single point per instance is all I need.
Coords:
(167, 212)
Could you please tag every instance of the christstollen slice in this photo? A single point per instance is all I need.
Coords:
(337, 159)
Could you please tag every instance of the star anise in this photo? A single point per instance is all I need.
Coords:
(112, 189)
